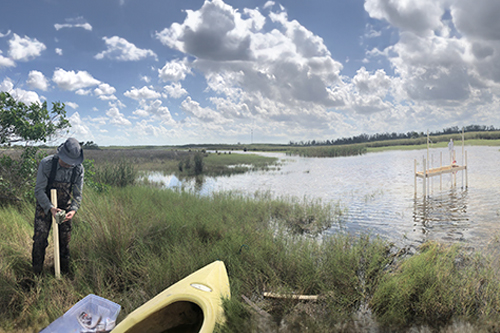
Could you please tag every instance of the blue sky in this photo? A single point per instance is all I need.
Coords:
(150, 72)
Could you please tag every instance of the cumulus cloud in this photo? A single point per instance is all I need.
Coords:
(37, 80)
(116, 117)
(78, 22)
(420, 17)
(6, 62)
(447, 53)
(27, 97)
(105, 92)
(79, 128)
(194, 109)
(277, 71)
(209, 33)
(71, 80)
(5, 34)
(175, 90)
(143, 93)
(72, 105)
(175, 70)
(25, 48)
(59, 51)
(120, 49)
(156, 110)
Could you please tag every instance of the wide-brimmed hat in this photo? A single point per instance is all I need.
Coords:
(70, 152)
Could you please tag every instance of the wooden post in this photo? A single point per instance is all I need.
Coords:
(463, 164)
(466, 171)
(415, 174)
(55, 234)
(431, 180)
(441, 176)
(454, 173)
(425, 179)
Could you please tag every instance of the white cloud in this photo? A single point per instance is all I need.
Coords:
(120, 49)
(104, 90)
(268, 4)
(69, 80)
(175, 70)
(145, 78)
(175, 90)
(207, 115)
(210, 33)
(83, 92)
(85, 26)
(420, 17)
(24, 49)
(143, 93)
(78, 22)
(27, 97)
(107, 97)
(116, 117)
(37, 80)
(155, 110)
(79, 128)
(285, 72)
(5, 34)
(6, 62)
(72, 105)
(59, 51)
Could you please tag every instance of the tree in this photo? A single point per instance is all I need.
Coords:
(29, 124)
(33, 123)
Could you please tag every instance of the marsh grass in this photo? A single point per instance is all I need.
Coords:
(329, 151)
(182, 163)
(129, 244)
(437, 285)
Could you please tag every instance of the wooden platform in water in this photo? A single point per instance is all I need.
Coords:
(441, 170)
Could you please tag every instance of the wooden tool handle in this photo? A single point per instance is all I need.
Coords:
(55, 234)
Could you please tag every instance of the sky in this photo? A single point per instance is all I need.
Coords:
(151, 72)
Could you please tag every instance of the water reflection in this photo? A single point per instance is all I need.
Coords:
(442, 216)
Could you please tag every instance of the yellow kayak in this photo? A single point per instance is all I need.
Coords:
(194, 304)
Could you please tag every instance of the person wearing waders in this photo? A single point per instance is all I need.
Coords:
(62, 171)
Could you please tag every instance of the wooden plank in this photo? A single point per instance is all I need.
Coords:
(440, 171)
(291, 296)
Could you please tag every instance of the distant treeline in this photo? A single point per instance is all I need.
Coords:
(364, 138)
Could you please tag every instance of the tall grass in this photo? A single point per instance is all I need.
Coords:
(121, 173)
(439, 284)
(129, 244)
(329, 151)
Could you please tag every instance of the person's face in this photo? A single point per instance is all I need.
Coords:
(63, 164)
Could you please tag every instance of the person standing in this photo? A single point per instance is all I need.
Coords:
(64, 172)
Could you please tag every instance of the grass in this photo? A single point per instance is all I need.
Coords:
(131, 243)
(182, 162)
(439, 284)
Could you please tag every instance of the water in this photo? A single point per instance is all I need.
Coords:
(378, 191)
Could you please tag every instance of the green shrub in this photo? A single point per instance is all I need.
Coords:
(18, 175)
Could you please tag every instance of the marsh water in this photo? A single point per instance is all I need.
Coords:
(378, 192)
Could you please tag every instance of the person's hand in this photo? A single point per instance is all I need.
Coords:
(54, 211)
(69, 215)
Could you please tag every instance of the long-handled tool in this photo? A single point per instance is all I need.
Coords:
(55, 233)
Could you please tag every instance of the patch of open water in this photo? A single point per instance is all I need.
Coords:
(378, 191)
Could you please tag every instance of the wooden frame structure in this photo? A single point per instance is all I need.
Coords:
(429, 171)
